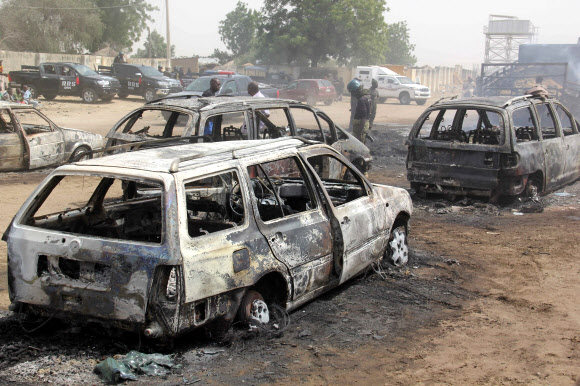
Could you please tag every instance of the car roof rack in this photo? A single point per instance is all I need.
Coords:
(518, 98)
(175, 164)
(135, 146)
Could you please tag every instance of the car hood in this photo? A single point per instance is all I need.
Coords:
(415, 86)
(163, 78)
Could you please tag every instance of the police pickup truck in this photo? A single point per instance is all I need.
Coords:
(71, 79)
(141, 80)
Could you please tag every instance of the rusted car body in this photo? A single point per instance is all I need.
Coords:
(29, 140)
(169, 239)
(235, 118)
(494, 146)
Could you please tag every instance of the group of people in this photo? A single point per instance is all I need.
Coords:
(177, 73)
(20, 95)
(363, 107)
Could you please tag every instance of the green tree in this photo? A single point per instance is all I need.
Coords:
(53, 26)
(314, 31)
(238, 29)
(400, 50)
(124, 22)
(222, 56)
(158, 46)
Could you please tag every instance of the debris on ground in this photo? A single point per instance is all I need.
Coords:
(135, 363)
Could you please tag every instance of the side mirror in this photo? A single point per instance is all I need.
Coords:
(138, 74)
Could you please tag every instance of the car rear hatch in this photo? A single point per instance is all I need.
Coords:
(448, 157)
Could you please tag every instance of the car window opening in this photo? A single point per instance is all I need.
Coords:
(107, 207)
(214, 204)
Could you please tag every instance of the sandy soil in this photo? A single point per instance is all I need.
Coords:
(488, 296)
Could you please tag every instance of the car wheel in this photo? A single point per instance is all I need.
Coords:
(149, 95)
(89, 96)
(398, 250)
(328, 102)
(81, 153)
(421, 102)
(253, 309)
(404, 98)
(49, 97)
(122, 95)
(311, 100)
(382, 100)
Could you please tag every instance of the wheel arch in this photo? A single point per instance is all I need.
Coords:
(402, 219)
(274, 287)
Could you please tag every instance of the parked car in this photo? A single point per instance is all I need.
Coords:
(165, 240)
(29, 140)
(494, 146)
(141, 80)
(232, 85)
(225, 119)
(310, 91)
(53, 79)
(393, 85)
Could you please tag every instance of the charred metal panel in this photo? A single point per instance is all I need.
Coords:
(241, 260)
(45, 149)
(12, 152)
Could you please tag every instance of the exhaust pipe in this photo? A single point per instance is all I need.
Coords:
(154, 330)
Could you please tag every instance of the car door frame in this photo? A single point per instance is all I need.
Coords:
(12, 144)
(46, 148)
(289, 234)
(571, 145)
(553, 148)
(49, 83)
(364, 211)
(67, 84)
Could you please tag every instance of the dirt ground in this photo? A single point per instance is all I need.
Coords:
(490, 296)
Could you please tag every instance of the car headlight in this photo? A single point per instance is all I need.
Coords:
(103, 82)
(163, 84)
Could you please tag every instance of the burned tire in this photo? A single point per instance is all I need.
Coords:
(253, 309)
(149, 95)
(398, 249)
(81, 153)
(404, 98)
(421, 102)
(89, 95)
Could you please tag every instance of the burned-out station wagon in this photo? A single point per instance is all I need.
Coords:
(494, 146)
(236, 118)
(172, 238)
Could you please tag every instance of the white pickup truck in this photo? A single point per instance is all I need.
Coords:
(393, 85)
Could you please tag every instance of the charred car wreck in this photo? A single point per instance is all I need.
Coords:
(29, 140)
(494, 146)
(169, 239)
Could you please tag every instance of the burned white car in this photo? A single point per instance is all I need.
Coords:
(29, 140)
(494, 146)
(168, 239)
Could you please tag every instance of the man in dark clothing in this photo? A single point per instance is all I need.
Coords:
(214, 87)
(361, 102)
(339, 87)
(374, 100)
(120, 58)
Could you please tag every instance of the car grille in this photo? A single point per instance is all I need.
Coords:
(424, 89)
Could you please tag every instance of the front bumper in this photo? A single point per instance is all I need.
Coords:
(108, 90)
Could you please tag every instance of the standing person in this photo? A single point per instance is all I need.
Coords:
(468, 88)
(214, 87)
(160, 69)
(374, 100)
(362, 109)
(339, 87)
(120, 58)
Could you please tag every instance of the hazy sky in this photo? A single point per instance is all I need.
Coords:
(445, 32)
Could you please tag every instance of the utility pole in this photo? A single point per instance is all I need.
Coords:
(168, 35)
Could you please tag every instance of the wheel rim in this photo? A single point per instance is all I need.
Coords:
(89, 96)
(405, 99)
(259, 312)
(149, 95)
(399, 248)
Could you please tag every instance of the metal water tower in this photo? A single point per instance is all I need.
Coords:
(503, 37)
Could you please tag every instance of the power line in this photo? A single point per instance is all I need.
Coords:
(74, 8)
